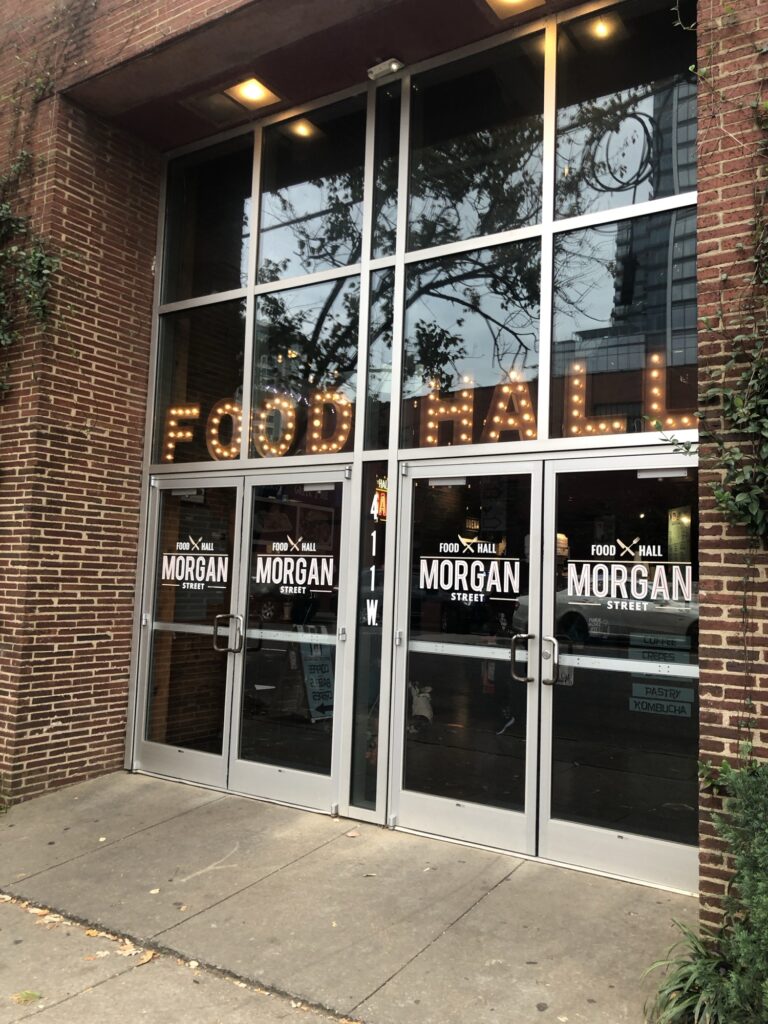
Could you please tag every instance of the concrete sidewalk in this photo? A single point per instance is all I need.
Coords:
(376, 925)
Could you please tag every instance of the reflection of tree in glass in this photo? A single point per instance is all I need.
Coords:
(484, 304)
(614, 145)
(476, 184)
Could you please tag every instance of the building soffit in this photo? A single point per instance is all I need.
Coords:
(300, 49)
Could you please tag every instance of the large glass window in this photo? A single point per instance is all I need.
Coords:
(624, 337)
(312, 192)
(471, 347)
(208, 221)
(626, 119)
(305, 370)
(198, 411)
(476, 137)
(462, 329)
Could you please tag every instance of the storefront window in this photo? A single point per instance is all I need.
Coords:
(626, 120)
(305, 370)
(624, 335)
(198, 412)
(471, 348)
(476, 138)
(312, 192)
(379, 392)
(208, 221)
(387, 150)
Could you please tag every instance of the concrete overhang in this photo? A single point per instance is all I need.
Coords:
(301, 49)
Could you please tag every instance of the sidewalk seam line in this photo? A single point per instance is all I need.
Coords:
(250, 885)
(436, 938)
(108, 845)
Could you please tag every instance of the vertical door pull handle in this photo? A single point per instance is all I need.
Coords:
(343, 634)
(555, 660)
(517, 641)
(239, 634)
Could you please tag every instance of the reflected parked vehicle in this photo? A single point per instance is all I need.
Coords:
(581, 619)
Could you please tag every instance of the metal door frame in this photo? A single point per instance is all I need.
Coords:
(627, 855)
(288, 785)
(165, 759)
(468, 822)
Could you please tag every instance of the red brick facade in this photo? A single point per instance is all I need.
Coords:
(72, 421)
(732, 181)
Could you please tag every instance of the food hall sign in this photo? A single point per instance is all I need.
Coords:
(629, 576)
(471, 570)
(294, 567)
(194, 565)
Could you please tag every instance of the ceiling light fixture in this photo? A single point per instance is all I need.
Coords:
(507, 8)
(252, 94)
(302, 128)
(384, 68)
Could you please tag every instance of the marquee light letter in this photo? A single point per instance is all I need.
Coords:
(456, 410)
(511, 409)
(329, 407)
(269, 441)
(174, 432)
(655, 397)
(576, 420)
(224, 409)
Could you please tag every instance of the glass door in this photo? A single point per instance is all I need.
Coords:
(285, 740)
(620, 701)
(193, 628)
(466, 701)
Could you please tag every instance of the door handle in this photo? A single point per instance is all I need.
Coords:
(238, 646)
(555, 655)
(517, 640)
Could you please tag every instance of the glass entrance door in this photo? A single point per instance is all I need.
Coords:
(192, 630)
(466, 693)
(546, 662)
(620, 702)
(285, 743)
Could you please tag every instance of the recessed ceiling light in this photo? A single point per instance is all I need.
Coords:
(507, 8)
(302, 128)
(604, 26)
(252, 94)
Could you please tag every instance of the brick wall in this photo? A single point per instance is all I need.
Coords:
(730, 172)
(72, 430)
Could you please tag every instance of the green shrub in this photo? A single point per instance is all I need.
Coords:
(722, 978)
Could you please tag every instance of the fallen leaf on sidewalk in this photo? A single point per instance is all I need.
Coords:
(93, 932)
(38, 911)
(127, 948)
(353, 833)
(5, 899)
(25, 997)
(145, 957)
(193, 964)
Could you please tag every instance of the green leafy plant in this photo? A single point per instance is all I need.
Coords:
(722, 977)
(26, 265)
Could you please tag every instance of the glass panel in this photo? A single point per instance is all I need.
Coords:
(379, 391)
(626, 121)
(368, 652)
(626, 741)
(465, 733)
(624, 332)
(305, 370)
(208, 221)
(198, 412)
(386, 153)
(312, 192)
(471, 355)
(192, 585)
(476, 144)
(288, 689)
(466, 716)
